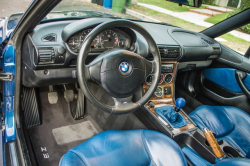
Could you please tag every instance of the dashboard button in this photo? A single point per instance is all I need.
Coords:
(167, 90)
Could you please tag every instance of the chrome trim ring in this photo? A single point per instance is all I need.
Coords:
(168, 82)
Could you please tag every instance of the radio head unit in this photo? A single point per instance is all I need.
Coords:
(167, 68)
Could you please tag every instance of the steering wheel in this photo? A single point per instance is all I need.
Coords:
(118, 71)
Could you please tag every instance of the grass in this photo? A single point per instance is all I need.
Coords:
(167, 18)
(217, 18)
(235, 43)
(168, 5)
(232, 41)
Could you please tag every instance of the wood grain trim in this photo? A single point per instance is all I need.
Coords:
(167, 99)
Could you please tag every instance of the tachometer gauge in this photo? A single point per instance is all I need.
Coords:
(109, 39)
(84, 34)
(73, 43)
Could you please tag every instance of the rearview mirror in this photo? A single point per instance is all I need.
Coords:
(193, 3)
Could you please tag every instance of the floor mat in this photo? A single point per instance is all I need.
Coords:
(72, 133)
(47, 151)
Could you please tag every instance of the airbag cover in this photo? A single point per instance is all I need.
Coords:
(122, 72)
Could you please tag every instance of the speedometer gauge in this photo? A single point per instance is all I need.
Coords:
(96, 42)
(73, 43)
(109, 39)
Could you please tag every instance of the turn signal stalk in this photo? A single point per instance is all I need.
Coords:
(213, 143)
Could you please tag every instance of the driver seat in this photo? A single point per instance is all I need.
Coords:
(133, 148)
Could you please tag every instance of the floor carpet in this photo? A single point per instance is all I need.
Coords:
(47, 151)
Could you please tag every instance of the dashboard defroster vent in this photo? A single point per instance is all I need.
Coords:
(49, 38)
(207, 41)
(46, 55)
(169, 52)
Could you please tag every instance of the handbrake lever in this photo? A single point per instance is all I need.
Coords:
(213, 143)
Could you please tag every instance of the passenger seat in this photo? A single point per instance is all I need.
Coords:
(228, 123)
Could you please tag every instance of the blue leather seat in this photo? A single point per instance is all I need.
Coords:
(130, 148)
(228, 123)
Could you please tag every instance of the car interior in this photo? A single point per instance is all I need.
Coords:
(107, 91)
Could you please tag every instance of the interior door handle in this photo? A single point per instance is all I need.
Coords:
(240, 75)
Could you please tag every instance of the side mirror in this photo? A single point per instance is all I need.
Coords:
(193, 3)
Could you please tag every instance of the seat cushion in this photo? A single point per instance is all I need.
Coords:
(134, 147)
(196, 159)
(228, 123)
(234, 162)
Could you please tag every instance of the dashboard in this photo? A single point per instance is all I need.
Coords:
(108, 39)
(50, 51)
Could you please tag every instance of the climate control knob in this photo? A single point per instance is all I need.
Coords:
(168, 78)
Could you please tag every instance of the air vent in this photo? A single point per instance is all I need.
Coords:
(216, 50)
(168, 52)
(49, 38)
(207, 41)
(46, 55)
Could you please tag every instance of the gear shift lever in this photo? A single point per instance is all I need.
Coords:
(180, 102)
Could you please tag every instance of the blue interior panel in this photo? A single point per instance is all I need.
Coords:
(225, 77)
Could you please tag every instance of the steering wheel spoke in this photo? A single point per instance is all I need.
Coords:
(122, 104)
(86, 73)
(148, 67)
(94, 71)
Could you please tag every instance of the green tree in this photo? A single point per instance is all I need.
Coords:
(244, 4)
(208, 2)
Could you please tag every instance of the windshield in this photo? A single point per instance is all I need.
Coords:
(82, 9)
(159, 11)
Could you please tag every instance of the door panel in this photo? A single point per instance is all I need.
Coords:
(225, 77)
(219, 84)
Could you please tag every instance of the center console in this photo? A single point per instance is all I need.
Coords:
(188, 135)
(164, 95)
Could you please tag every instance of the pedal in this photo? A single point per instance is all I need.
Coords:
(52, 96)
(77, 106)
(69, 95)
(30, 107)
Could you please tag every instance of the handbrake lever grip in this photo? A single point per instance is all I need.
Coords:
(213, 143)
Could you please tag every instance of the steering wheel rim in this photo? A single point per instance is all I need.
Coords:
(84, 72)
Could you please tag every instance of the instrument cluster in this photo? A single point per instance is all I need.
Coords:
(108, 39)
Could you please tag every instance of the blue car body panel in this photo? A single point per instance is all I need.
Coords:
(7, 107)
(225, 77)
(9, 91)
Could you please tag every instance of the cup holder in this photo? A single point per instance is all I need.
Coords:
(219, 142)
(231, 152)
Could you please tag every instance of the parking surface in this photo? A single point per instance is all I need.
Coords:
(8, 7)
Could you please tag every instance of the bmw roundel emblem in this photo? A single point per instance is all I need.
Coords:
(124, 67)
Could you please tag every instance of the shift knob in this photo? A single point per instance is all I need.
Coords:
(180, 102)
